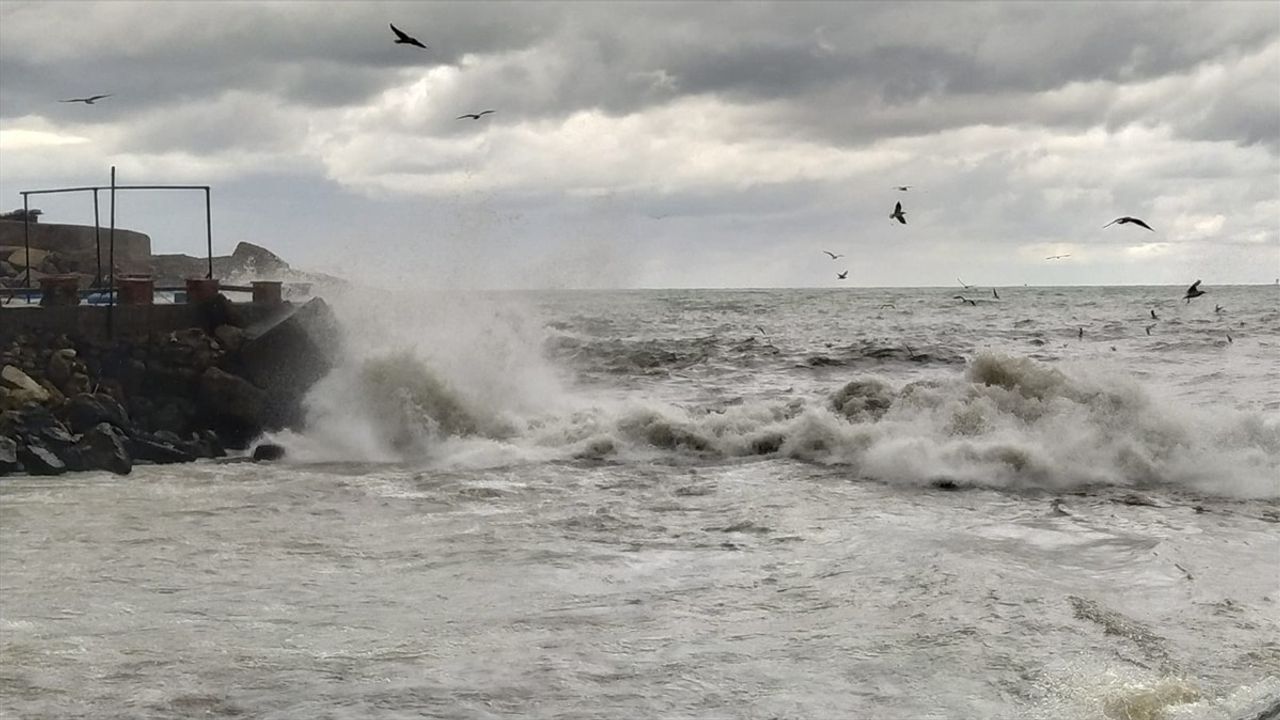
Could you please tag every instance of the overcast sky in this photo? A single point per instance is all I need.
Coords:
(668, 144)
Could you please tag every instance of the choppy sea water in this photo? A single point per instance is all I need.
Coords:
(697, 504)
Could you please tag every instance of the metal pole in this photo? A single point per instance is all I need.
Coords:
(97, 242)
(26, 238)
(208, 230)
(111, 261)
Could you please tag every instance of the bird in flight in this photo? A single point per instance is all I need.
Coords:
(1127, 219)
(403, 38)
(1149, 328)
(1217, 309)
(474, 116)
(1153, 314)
(89, 100)
(963, 284)
(995, 294)
(1057, 257)
(1080, 334)
(898, 215)
(833, 255)
(902, 188)
(962, 298)
(1193, 292)
(843, 275)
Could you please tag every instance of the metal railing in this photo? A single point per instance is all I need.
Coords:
(111, 237)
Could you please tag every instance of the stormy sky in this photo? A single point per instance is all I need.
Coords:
(667, 144)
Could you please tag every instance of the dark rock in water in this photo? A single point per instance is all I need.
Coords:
(40, 460)
(104, 447)
(84, 411)
(157, 451)
(945, 484)
(863, 399)
(268, 452)
(767, 444)
(8, 455)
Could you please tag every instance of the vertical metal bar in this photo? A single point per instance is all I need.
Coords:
(97, 242)
(26, 238)
(111, 261)
(208, 230)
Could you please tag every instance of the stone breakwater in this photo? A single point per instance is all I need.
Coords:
(72, 401)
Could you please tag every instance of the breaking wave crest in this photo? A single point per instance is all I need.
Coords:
(1002, 422)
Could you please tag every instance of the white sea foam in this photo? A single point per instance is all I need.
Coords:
(462, 381)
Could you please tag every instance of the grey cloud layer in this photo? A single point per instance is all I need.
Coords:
(853, 72)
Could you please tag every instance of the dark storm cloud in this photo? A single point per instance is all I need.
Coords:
(830, 60)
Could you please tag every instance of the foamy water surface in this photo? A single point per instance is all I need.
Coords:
(697, 504)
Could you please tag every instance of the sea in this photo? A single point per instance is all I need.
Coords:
(725, 504)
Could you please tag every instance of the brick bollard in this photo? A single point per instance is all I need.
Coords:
(60, 290)
(136, 289)
(201, 289)
(267, 292)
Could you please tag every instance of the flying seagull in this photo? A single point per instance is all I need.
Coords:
(1127, 219)
(1193, 292)
(962, 298)
(1149, 328)
(474, 116)
(902, 188)
(1057, 257)
(995, 294)
(88, 100)
(1217, 309)
(403, 38)
(833, 255)
(898, 214)
(1153, 314)
(1080, 334)
(842, 275)
(963, 284)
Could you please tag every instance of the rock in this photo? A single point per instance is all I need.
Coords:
(268, 452)
(863, 400)
(230, 336)
(231, 397)
(22, 388)
(158, 451)
(84, 411)
(7, 270)
(288, 355)
(18, 258)
(8, 455)
(79, 383)
(105, 447)
(61, 364)
(37, 459)
(174, 414)
(256, 260)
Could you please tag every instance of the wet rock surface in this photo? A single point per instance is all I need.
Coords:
(71, 403)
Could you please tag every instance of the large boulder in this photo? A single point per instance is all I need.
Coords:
(230, 397)
(288, 354)
(8, 455)
(85, 410)
(158, 451)
(104, 447)
(22, 389)
(37, 459)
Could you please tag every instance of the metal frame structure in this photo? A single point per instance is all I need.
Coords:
(111, 237)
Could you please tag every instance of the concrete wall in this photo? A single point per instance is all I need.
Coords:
(98, 322)
(133, 249)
